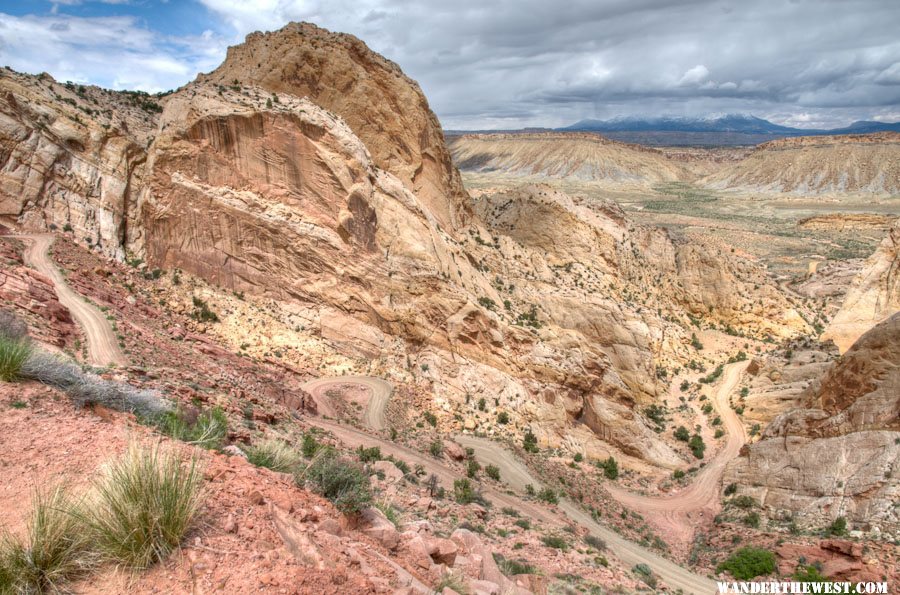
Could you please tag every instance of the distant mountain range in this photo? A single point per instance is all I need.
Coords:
(731, 129)
(728, 130)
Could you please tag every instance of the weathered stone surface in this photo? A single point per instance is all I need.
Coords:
(873, 296)
(838, 456)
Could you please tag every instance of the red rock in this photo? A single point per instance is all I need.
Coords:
(256, 497)
(374, 524)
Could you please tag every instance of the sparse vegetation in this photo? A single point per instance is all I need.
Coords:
(514, 567)
(464, 492)
(436, 449)
(643, 572)
(748, 562)
(207, 429)
(697, 446)
(56, 547)
(610, 468)
(555, 541)
(341, 480)
(274, 454)
(493, 472)
(529, 442)
(145, 502)
(838, 527)
(14, 352)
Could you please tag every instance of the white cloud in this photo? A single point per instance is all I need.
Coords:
(111, 51)
(694, 76)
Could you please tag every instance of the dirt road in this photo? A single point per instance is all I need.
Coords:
(102, 344)
(373, 417)
(516, 475)
(703, 492)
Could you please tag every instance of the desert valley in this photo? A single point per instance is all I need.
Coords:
(368, 356)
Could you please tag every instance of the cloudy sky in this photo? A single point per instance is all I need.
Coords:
(507, 64)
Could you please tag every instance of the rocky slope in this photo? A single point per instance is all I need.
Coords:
(580, 156)
(873, 295)
(309, 170)
(864, 163)
(838, 454)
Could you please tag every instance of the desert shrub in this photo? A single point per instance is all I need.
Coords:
(555, 541)
(430, 418)
(273, 454)
(454, 582)
(514, 567)
(145, 502)
(548, 495)
(12, 327)
(436, 449)
(56, 547)
(677, 474)
(809, 574)
(643, 572)
(206, 430)
(748, 562)
(369, 455)
(681, 433)
(472, 468)
(744, 501)
(13, 355)
(523, 524)
(503, 418)
(610, 468)
(730, 489)
(578, 457)
(202, 311)
(510, 511)
(697, 446)
(838, 527)
(464, 492)
(310, 446)
(341, 480)
(493, 472)
(389, 512)
(529, 442)
(752, 520)
(85, 388)
(595, 542)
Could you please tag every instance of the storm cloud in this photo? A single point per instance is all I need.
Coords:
(539, 63)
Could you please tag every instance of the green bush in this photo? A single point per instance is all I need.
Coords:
(369, 455)
(341, 480)
(748, 562)
(472, 469)
(643, 572)
(744, 501)
(529, 443)
(13, 354)
(682, 434)
(548, 495)
(464, 492)
(555, 542)
(436, 449)
(56, 547)
(677, 474)
(431, 418)
(145, 502)
(610, 468)
(697, 446)
(310, 446)
(493, 472)
(838, 527)
(514, 567)
(595, 542)
(503, 418)
(752, 520)
(273, 454)
(523, 524)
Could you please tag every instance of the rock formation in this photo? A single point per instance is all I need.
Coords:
(838, 455)
(863, 163)
(310, 170)
(873, 296)
(571, 156)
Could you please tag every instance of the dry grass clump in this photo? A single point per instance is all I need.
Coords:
(274, 454)
(143, 505)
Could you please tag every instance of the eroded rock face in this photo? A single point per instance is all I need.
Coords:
(862, 163)
(310, 170)
(874, 294)
(71, 157)
(382, 106)
(840, 455)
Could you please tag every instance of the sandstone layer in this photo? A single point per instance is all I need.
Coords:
(838, 454)
(873, 295)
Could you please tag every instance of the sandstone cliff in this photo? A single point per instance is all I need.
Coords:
(309, 170)
(384, 108)
(839, 455)
(873, 296)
